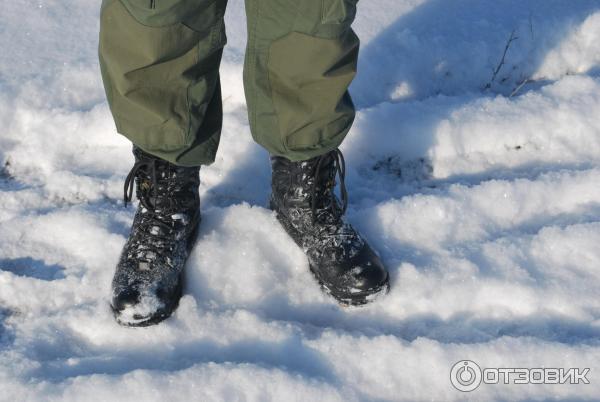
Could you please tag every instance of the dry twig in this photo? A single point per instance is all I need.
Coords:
(513, 37)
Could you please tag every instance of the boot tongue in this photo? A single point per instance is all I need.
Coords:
(148, 194)
(323, 181)
(154, 189)
(171, 195)
(307, 180)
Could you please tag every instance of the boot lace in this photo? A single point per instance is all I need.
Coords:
(317, 198)
(156, 224)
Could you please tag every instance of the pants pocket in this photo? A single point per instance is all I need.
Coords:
(159, 64)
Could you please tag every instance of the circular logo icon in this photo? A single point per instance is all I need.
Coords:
(465, 375)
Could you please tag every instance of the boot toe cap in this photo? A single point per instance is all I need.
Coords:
(126, 298)
(368, 272)
(357, 281)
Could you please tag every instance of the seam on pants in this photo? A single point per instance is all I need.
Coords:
(189, 136)
(215, 39)
(280, 133)
(283, 138)
(254, 57)
(187, 140)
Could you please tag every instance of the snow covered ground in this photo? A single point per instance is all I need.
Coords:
(482, 196)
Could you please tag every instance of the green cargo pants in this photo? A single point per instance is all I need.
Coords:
(160, 65)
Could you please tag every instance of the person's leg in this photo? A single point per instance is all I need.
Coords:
(300, 60)
(160, 65)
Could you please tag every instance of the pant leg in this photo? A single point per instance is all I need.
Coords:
(160, 66)
(300, 60)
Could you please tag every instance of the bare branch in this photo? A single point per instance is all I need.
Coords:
(531, 25)
(519, 86)
(511, 39)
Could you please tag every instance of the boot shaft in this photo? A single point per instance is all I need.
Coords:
(308, 184)
(161, 185)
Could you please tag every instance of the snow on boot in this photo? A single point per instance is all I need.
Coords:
(304, 200)
(147, 284)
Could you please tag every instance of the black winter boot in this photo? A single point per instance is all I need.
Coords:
(147, 284)
(303, 198)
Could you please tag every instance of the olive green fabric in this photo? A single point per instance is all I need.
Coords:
(160, 65)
